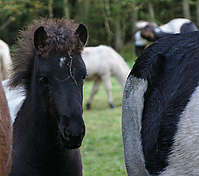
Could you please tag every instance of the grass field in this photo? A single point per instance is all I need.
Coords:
(102, 148)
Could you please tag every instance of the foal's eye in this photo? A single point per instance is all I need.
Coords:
(83, 78)
(44, 80)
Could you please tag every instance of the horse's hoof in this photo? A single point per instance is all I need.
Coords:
(88, 106)
(112, 105)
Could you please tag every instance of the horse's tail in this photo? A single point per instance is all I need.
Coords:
(132, 109)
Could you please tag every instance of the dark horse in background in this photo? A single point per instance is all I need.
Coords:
(5, 135)
(49, 127)
(150, 32)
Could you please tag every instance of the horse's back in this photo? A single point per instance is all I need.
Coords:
(174, 26)
(5, 135)
(97, 57)
(102, 59)
(161, 97)
(94, 60)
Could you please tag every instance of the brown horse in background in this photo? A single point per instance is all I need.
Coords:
(5, 135)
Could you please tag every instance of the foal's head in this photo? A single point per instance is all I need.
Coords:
(58, 73)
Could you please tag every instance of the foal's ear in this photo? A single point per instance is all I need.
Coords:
(40, 37)
(82, 32)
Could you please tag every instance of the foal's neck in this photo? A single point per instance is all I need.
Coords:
(36, 146)
(34, 140)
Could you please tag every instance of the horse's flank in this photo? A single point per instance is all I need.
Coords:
(5, 135)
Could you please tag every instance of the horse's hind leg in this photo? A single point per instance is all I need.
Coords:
(106, 78)
(94, 91)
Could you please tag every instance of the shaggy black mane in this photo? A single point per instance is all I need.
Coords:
(61, 39)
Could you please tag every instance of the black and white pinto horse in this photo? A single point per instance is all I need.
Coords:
(150, 32)
(49, 127)
(160, 109)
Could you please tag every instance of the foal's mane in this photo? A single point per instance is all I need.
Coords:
(61, 39)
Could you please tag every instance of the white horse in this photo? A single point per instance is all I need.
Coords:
(5, 60)
(102, 62)
(149, 32)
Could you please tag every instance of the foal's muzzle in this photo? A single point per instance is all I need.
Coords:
(72, 131)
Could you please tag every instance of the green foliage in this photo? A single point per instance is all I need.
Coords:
(93, 13)
(15, 8)
(17, 13)
(128, 53)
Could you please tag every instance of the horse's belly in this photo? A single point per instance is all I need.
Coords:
(92, 77)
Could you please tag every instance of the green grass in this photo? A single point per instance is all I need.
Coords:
(102, 148)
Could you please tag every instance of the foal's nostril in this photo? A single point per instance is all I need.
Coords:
(66, 135)
(73, 137)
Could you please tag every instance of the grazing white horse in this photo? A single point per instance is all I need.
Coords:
(5, 60)
(102, 62)
(150, 32)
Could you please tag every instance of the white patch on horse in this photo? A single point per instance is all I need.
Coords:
(62, 62)
(184, 158)
(15, 97)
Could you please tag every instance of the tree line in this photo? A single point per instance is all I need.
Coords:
(110, 22)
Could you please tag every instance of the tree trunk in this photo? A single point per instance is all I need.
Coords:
(7, 23)
(151, 12)
(106, 15)
(66, 9)
(134, 18)
(186, 9)
(87, 5)
(197, 12)
(118, 40)
(50, 9)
